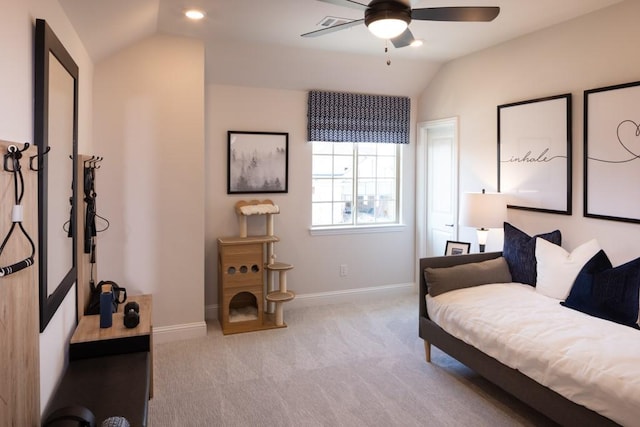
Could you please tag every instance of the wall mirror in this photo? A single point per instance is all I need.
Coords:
(56, 135)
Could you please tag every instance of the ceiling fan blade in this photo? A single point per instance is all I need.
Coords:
(404, 39)
(347, 3)
(458, 13)
(333, 28)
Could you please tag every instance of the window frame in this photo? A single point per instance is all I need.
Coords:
(355, 227)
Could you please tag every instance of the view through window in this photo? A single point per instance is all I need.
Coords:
(355, 184)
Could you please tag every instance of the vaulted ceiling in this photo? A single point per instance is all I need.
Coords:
(273, 28)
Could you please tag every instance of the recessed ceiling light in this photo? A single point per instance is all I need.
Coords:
(194, 14)
(416, 43)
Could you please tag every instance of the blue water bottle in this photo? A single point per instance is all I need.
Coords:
(106, 305)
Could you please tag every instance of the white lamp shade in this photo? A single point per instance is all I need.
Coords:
(483, 210)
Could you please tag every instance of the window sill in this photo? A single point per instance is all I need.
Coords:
(363, 229)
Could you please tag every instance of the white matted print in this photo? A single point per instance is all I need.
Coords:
(257, 162)
(457, 248)
(534, 154)
(612, 152)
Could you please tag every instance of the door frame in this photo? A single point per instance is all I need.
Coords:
(422, 150)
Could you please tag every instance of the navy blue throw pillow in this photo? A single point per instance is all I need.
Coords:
(519, 250)
(580, 296)
(606, 292)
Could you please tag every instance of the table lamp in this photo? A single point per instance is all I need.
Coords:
(483, 211)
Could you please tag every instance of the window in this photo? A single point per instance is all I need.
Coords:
(356, 158)
(355, 184)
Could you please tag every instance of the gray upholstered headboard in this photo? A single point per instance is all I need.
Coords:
(447, 261)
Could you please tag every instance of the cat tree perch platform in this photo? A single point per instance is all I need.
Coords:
(245, 209)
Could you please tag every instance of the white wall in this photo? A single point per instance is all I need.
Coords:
(54, 340)
(149, 127)
(596, 50)
(17, 23)
(373, 259)
(234, 63)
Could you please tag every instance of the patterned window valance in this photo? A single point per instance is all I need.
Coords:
(351, 117)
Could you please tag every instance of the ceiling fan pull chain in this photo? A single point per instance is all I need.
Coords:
(386, 51)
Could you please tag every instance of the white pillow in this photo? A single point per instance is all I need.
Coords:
(557, 269)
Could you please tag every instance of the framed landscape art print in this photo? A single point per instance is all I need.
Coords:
(257, 162)
(457, 248)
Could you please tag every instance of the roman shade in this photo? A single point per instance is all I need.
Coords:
(352, 117)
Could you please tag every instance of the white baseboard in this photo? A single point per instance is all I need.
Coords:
(333, 297)
(199, 329)
(164, 334)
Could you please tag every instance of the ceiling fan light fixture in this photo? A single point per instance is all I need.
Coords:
(387, 20)
(387, 28)
(194, 14)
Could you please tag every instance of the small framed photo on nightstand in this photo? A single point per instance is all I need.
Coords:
(457, 248)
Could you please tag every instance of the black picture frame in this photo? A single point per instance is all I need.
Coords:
(55, 280)
(257, 162)
(457, 248)
(611, 153)
(535, 154)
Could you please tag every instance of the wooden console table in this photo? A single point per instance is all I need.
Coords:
(110, 370)
(89, 340)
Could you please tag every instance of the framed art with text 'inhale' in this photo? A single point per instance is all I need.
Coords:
(534, 154)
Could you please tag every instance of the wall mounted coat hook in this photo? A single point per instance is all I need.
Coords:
(38, 156)
(94, 162)
(14, 154)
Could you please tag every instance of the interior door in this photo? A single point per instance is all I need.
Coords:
(437, 203)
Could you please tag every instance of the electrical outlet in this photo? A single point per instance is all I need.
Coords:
(344, 270)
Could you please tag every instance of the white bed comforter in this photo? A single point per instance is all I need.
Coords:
(593, 362)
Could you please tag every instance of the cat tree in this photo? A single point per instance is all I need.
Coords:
(248, 297)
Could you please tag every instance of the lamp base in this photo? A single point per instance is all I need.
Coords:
(483, 233)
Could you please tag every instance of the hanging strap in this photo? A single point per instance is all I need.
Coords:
(90, 212)
(12, 164)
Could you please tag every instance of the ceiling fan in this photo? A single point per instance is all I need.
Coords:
(390, 19)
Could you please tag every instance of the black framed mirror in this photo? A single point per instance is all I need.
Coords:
(56, 136)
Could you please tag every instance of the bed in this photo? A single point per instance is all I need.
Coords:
(460, 346)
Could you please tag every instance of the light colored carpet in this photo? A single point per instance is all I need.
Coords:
(335, 365)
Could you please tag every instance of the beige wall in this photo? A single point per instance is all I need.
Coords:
(234, 63)
(17, 22)
(373, 259)
(149, 127)
(597, 50)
